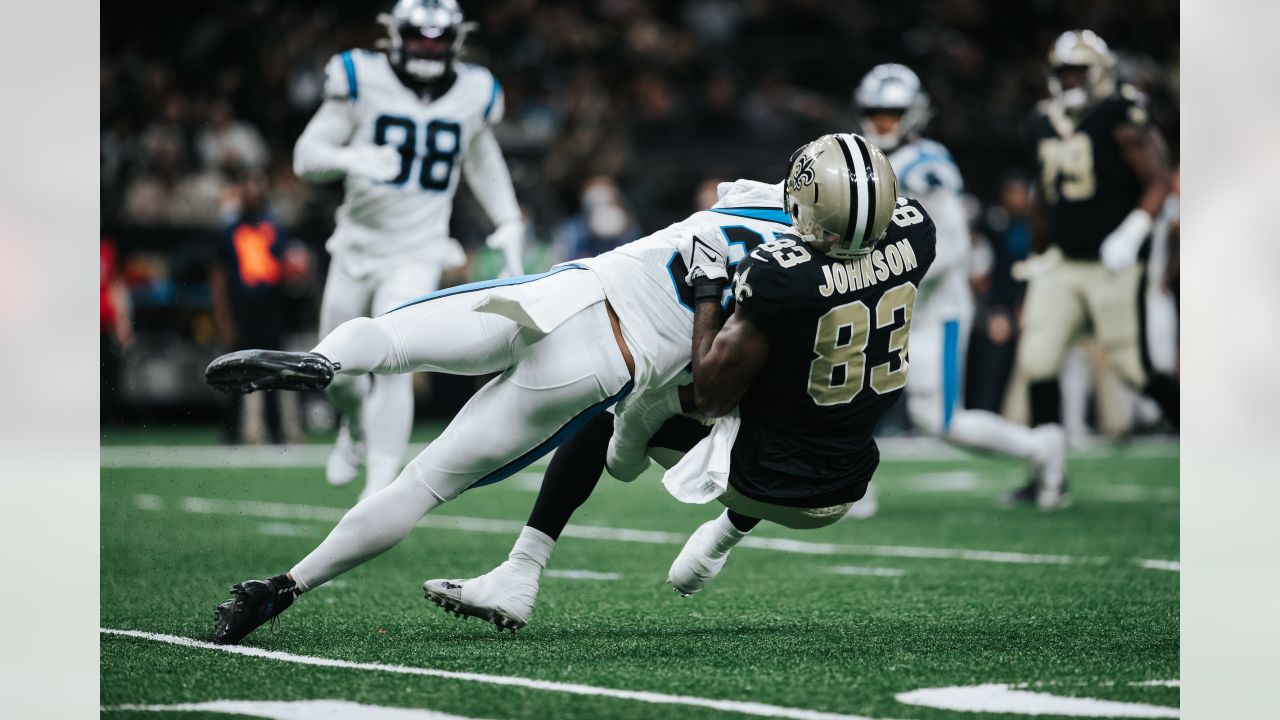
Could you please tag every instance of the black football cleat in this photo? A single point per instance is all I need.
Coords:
(252, 603)
(247, 371)
(1029, 494)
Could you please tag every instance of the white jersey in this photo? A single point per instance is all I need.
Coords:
(927, 173)
(644, 280)
(408, 215)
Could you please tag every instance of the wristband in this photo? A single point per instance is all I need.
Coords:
(705, 290)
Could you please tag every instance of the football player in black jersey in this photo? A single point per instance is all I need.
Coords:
(1103, 175)
(814, 353)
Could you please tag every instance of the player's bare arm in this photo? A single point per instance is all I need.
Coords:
(1142, 150)
(727, 355)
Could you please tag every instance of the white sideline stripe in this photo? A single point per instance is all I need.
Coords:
(289, 511)
(279, 529)
(738, 706)
(295, 710)
(583, 575)
(873, 571)
(996, 698)
(1158, 683)
(925, 449)
(1173, 565)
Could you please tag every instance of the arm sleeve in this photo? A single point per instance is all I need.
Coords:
(486, 172)
(952, 231)
(321, 152)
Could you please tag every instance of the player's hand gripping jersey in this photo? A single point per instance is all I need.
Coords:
(401, 155)
(838, 333)
(644, 280)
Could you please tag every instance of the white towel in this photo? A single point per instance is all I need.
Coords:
(703, 474)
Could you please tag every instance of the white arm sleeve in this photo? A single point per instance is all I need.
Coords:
(947, 211)
(486, 172)
(321, 153)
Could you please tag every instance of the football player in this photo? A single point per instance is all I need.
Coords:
(400, 126)
(1103, 175)
(567, 344)
(894, 110)
(814, 353)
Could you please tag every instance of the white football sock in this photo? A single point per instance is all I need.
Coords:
(532, 550)
(724, 535)
(370, 528)
(988, 431)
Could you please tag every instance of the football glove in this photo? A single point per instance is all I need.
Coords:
(706, 261)
(1120, 249)
(625, 462)
(375, 162)
(509, 238)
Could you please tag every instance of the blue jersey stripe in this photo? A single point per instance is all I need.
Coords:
(564, 433)
(353, 89)
(950, 371)
(486, 284)
(777, 216)
(493, 98)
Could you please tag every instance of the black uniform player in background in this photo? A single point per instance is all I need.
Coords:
(815, 352)
(1103, 174)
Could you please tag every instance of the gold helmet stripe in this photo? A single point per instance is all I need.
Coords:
(856, 195)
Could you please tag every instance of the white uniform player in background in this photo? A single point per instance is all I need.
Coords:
(893, 110)
(400, 126)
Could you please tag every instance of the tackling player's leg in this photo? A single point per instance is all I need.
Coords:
(552, 386)
(346, 297)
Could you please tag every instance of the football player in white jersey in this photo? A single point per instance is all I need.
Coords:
(893, 110)
(567, 344)
(400, 126)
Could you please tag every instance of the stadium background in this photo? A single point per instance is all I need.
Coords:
(620, 116)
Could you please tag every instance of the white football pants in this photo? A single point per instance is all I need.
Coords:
(382, 411)
(549, 387)
(934, 392)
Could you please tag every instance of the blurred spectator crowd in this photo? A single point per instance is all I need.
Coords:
(621, 114)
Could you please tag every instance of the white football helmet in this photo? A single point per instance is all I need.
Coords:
(424, 36)
(894, 88)
(1082, 49)
(841, 192)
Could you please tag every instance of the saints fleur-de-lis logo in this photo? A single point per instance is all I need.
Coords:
(741, 290)
(803, 174)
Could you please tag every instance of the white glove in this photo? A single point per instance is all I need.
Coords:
(625, 462)
(1120, 249)
(509, 238)
(706, 260)
(1034, 265)
(376, 162)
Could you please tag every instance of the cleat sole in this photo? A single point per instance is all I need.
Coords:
(500, 620)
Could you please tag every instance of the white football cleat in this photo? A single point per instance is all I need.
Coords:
(503, 596)
(698, 562)
(1052, 459)
(344, 460)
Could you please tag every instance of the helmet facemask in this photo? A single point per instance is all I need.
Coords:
(424, 37)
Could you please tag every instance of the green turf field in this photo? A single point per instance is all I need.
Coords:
(940, 589)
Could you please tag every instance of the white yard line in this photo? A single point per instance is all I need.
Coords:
(738, 706)
(923, 449)
(872, 571)
(294, 710)
(996, 698)
(289, 511)
(1171, 565)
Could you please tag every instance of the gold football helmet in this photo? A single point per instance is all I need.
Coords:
(840, 191)
(1081, 50)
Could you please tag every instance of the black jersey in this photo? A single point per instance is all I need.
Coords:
(837, 361)
(1086, 184)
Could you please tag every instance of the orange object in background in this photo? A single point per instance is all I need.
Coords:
(253, 253)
